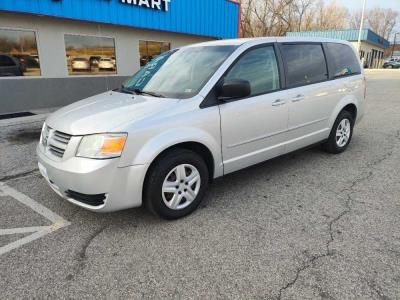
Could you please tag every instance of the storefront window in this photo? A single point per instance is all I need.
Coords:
(18, 53)
(150, 49)
(90, 55)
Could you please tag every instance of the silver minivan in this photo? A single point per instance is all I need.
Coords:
(197, 113)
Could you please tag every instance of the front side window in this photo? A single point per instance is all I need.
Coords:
(150, 49)
(180, 74)
(342, 59)
(19, 53)
(259, 67)
(90, 55)
(305, 64)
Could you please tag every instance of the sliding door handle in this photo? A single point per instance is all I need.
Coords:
(298, 98)
(278, 102)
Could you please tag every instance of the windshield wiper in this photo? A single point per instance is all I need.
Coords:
(125, 90)
(141, 92)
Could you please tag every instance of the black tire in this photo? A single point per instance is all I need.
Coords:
(331, 145)
(153, 197)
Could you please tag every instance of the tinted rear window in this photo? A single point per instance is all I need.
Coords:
(342, 60)
(305, 64)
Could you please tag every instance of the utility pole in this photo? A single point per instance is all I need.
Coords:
(361, 28)
(394, 43)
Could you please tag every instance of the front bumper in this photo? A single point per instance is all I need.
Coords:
(121, 186)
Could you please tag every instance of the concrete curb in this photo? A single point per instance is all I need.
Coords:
(23, 120)
(381, 71)
(40, 116)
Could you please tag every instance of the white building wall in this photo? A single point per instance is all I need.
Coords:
(55, 88)
(51, 47)
(367, 48)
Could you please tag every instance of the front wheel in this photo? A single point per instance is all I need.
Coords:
(341, 133)
(176, 184)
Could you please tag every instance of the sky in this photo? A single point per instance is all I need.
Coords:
(357, 4)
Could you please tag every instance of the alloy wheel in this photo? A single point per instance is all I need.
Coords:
(181, 186)
(343, 133)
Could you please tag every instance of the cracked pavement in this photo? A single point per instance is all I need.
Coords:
(308, 225)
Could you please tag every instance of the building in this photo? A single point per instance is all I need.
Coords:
(55, 52)
(372, 45)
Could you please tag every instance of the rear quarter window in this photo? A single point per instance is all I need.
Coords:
(342, 60)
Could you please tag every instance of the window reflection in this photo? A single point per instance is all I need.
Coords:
(343, 60)
(305, 64)
(90, 55)
(260, 68)
(18, 53)
(150, 49)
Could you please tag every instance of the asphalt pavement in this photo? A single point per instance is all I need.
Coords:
(304, 226)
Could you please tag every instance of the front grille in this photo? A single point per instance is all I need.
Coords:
(61, 137)
(56, 151)
(55, 142)
(92, 200)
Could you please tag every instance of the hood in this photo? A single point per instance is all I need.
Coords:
(106, 112)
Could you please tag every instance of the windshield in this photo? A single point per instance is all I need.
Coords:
(179, 73)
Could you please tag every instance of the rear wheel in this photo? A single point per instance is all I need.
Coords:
(341, 133)
(176, 184)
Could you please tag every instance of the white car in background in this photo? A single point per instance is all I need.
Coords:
(80, 64)
(106, 64)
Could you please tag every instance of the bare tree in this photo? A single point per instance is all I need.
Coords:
(302, 9)
(246, 25)
(277, 17)
(265, 18)
(355, 20)
(331, 16)
(382, 20)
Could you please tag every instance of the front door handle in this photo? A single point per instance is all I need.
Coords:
(278, 102)
(298, 98)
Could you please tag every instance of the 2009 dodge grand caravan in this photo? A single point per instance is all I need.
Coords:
(198, 113)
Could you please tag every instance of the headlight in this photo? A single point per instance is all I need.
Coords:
(102, 146)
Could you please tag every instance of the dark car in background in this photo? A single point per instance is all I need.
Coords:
(10, 66)
(27, 61)
(94, 61)
(145, 59)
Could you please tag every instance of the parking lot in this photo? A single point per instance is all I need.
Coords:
(306, 225)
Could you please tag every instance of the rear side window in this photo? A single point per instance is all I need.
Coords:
(342, 60)
(6, 61)
(259, 67)
(304, 63)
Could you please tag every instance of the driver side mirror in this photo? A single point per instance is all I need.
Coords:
(234, 89)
